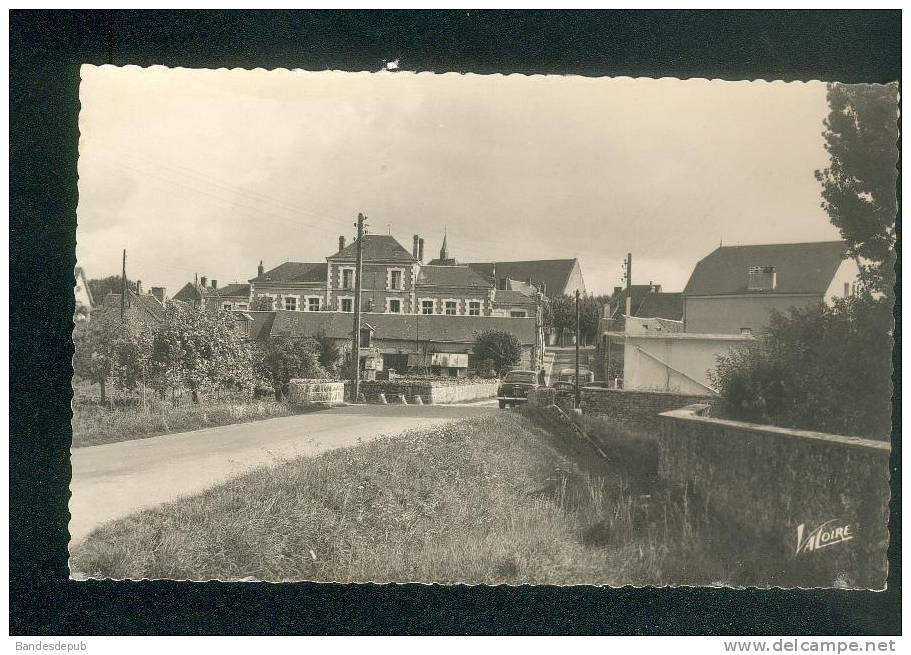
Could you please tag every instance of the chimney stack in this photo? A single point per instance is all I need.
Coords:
(202, 280)
(159, 293)
(260, 269)
(421, 250)
(414, 247)
(214, 284)
(138, 287)
(341, 242)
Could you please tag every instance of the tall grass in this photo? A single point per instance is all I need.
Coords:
(491, 500)
(94, 423)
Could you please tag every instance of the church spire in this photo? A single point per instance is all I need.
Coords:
(444, 252)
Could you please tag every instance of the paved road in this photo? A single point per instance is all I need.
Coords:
(114, 480)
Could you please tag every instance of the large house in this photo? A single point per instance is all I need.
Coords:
(734, 289)
(396, 281)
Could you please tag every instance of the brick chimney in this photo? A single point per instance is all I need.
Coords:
(214, 284)
(341, 242)
(138, 287)
(414, 247)
(202, 280)
(159, 293)
(260, 269)
(421, 250)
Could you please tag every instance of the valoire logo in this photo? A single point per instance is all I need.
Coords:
(826, 534)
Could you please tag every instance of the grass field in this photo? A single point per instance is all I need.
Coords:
(489, 500)
(95, 424)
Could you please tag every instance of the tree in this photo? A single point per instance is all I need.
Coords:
(329, 352)
(502, 349)
(262, 304)
(200, 351)
(819, 368)
(859, 186)
(110, 350)
(100, 287)
(560, 314)
(284, 358)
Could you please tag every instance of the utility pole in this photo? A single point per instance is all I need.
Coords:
(629, 281)
(123, 287)
(356, 340)
(578, 336)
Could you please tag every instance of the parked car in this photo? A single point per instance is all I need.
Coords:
(586, 376)
(515, 386)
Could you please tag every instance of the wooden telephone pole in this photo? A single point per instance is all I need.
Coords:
(123, 286)
(578, 337)
(356, 339)
(629, 281)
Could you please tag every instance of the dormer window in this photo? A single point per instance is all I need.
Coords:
(761, 278)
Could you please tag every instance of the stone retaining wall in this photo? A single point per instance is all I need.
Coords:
(429, 391)
(766, 482)
(316, 392)
(639, 409)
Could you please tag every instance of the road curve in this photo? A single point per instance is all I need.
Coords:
(117, 479)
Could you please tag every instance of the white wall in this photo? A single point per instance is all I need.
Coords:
(677, 362)
(847, 273)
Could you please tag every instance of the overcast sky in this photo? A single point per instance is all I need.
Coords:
(198, 171)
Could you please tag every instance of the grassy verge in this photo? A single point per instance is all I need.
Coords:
(95, 424)
(490, 500)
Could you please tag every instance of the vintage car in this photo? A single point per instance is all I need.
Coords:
(586, 376)
(515, 386)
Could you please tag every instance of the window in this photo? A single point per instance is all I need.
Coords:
(762, 278)
(395, 306)
(474, 308)
(242, 307)
(347, 304)
(746, 331)
(366, 338)
(347, 278)
(395, 280)
(291, 304)
(313, 304)
(451, 306)
(518, 313)
(227, 307)
(427, 307)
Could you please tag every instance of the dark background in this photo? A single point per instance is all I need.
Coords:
(46, 49)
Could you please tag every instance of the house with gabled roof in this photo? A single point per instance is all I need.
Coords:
(734, 289)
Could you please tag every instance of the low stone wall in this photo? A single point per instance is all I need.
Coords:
(543, 397)
(429, 391)
(316, 392)
(774, 488)
(635, 409)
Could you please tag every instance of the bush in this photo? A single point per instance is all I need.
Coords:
(818, 368)
(500, 349)
(284, 358)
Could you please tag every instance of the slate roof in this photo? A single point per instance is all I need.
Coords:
(295, 272)
(554, 273)
(452, 276)
(189, 293)
(376, 246)
(512, 297)
(234, 290)
(405, 327)
(799, 268)
(661, 305)
(146, 302)
(637, 294)
(261, 327)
